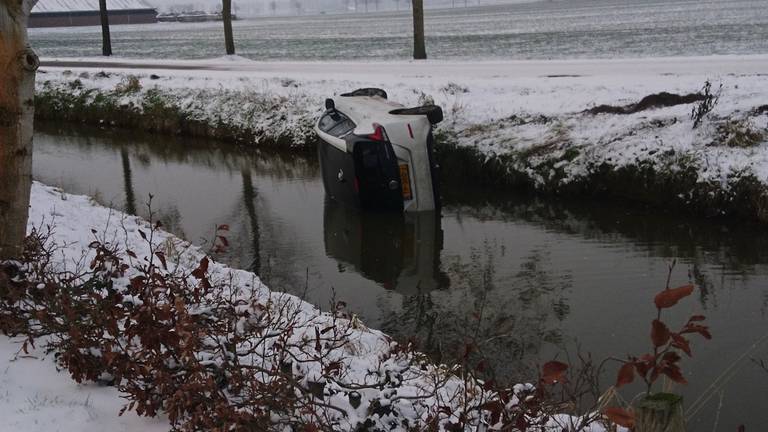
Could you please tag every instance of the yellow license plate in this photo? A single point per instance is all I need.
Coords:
(405, 181)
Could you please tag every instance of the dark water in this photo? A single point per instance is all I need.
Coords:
(539, 30)
(527, 278)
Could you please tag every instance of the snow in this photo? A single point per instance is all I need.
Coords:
(497, 107)
(542, 30)
(625, 69)
(34, 397)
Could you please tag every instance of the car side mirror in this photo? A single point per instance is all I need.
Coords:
(330, 105)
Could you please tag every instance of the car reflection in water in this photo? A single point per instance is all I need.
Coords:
(399, 251)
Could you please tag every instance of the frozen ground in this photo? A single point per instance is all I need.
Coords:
(541, 30)
(36, 398)
(530, 111)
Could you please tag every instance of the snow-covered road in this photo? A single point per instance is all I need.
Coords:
(711, 65)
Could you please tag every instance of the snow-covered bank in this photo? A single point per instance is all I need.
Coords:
(395, 389)
(527, 118)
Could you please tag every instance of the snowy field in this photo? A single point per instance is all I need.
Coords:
(541, 30)
(530, 111)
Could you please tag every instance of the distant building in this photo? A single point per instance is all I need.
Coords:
(68, 13)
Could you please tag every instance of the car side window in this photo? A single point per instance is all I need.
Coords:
(336, 124)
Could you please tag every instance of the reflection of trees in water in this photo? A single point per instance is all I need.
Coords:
(252, 227)
(538, 282)
(508, 319)
(249, 198)
(245, 231)
(134, 148)
(764, 305)
(703, 281)
(168, 214)
(130, 200)
(716, 253)
(213, 154)
(171, 218)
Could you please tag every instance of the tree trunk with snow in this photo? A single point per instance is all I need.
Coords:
(106, 40)
(419, 49)
(226, 15)
(18, 64)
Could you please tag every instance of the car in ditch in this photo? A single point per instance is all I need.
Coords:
(376, 154)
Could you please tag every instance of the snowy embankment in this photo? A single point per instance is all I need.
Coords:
(525, 122)
(394, 389)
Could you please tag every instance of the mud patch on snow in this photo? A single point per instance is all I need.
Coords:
(658, 100)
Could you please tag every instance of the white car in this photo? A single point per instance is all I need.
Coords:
(377, 154)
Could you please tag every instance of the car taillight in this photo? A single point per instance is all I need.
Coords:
(379, 134)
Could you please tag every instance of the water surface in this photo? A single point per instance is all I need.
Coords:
(528, 278)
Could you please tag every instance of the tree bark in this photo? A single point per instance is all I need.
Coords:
(18, 64)
(419, 49)
(106, 40)
(226, 15)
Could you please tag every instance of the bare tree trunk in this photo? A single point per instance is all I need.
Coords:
(18, 64)
(226, 15)
(106, 40)
(419, 50)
